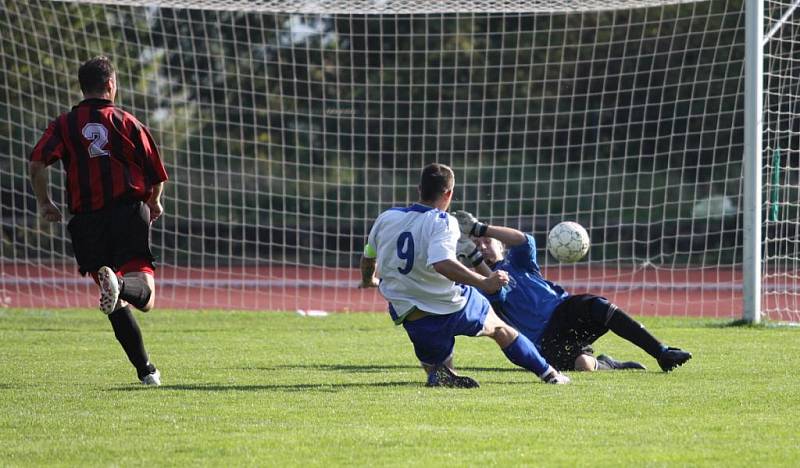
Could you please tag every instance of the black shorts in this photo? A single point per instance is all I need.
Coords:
(111, 236)
(575, 325)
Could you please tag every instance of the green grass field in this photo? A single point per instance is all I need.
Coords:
(244, 388)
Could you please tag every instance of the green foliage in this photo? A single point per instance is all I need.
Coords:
(314, 123)
(276, 389)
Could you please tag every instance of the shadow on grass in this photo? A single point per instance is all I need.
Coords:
(327, 388)
(765, 324)
(322, 387)
(58, 330)
(370, 369)
(210, 387)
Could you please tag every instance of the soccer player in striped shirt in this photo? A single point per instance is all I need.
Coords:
(114, 180)
(430, 293)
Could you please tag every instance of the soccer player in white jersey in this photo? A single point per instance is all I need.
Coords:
(413, 251)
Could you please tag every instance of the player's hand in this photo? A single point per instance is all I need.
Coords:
(50, 212)
(156, 209)
(469, 224)
(492, 283)
(467, 252)
(372, 283)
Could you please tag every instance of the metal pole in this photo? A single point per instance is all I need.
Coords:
(753, 121)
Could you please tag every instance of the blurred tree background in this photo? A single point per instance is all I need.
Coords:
(285, 135)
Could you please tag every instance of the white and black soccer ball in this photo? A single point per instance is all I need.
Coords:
(568, 242)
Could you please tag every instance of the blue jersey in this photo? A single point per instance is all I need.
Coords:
(528, 302)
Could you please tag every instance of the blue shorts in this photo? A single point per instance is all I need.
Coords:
(434, 336)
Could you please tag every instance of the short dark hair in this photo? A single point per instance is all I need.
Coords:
(435, 180)
(94, 74)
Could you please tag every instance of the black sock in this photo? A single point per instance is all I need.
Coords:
(135, 291)
(130, 337)
(626, 327)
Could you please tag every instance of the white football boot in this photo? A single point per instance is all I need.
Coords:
(152, 379)
(109, 289)
(552, 376)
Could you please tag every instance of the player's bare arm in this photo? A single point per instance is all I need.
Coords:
(368, 279)
(508, 236)
(483, 269)
(457, 272)
(47, 209)
(154, 202)
(470, 225)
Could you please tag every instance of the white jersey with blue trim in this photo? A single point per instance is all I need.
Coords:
(408, 241)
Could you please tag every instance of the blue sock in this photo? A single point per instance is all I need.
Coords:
(524, 354)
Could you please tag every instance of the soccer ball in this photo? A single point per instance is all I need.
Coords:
(568, 242)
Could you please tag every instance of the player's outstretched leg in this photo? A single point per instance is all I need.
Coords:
(605, 362)
(626, 327)
(520, 350)
(586, 362)
(129, 336)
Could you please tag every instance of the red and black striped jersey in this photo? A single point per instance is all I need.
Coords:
(107, 155)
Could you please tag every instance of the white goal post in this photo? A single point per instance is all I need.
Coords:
(754, 69)
(287, 126)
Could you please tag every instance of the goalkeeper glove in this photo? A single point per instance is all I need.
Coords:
(469, 224)
(467, 252)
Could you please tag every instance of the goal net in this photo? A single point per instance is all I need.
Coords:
(288, 126)
(781, 150)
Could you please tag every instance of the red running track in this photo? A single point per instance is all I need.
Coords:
(648, 291)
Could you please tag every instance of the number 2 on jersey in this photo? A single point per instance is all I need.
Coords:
(97, 134)
(405, 251)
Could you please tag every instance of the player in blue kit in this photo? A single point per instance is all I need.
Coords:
(563, 326)
(413, 251)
